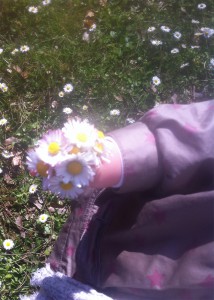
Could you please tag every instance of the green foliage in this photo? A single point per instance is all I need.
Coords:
(112, 70)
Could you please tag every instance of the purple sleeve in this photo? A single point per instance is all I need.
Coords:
(171, 148)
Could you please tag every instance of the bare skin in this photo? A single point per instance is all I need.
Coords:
(109, 173)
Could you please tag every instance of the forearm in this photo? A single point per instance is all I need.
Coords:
(165, 150)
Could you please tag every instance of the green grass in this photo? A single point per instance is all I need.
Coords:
(113, 70)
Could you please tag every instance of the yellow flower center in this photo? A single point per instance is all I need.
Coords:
(82, 137)
(66, 186)
(8, 244)
(74, 150)
(53, 148)
(99, 147)
(42, 168)
(100, 134)
(74, 168)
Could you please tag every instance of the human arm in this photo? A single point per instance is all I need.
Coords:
(169, 148)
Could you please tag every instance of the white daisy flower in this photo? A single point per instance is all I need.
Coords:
(35, 165)
(85, 107)
(51, 147)
(102, 148)
(1, 50)
(54, 104)
(72, 149)
(15, 51)
(113, 34)
(68, 88)
(46, 2)
(76, 169)
(156, 104)
(86, 37)
(43, 218)
(156, 42)
(195, 21)
(67, 110)
(7, 154)
(24, 48)
(183, 46)
(207, 32)
(177, 35)
(184, 65)
(8, 244)
(3, 121)
(130, 120)
(100, 135)
(175, 50)
(195, 47)
(81, 134)
(61, 94)
(165, 28)
(32, 188)
(201, 6)
(151, 29)
(3, 87)
(156, 80)
(33, 9)
(1, 170)
(62, 189)
(197, 34)
(93, 27)
(114, 112)
(212, 62)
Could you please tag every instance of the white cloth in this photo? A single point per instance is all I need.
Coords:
(57, 286)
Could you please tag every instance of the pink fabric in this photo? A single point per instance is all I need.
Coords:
(165, 134)
(153, 238)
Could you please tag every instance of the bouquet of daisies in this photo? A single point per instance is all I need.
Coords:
(67, 158)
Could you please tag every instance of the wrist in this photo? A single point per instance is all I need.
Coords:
(110, 174)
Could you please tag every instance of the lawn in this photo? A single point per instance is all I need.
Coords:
(107, 61)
